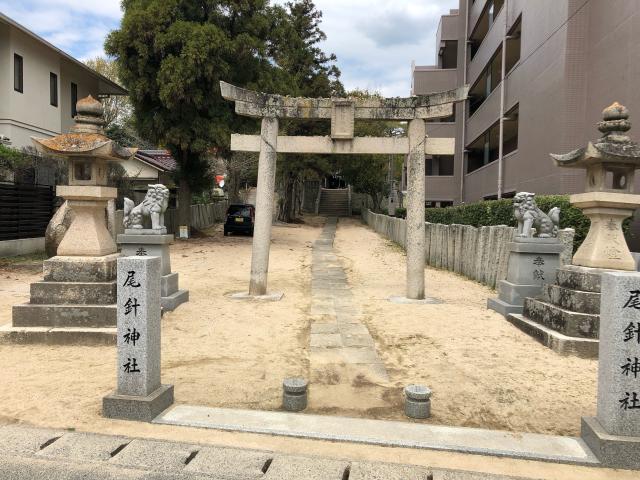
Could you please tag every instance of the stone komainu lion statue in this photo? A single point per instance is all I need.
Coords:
(154, 205)
(530, 216)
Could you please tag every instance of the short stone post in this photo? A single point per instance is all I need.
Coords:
(139, 394)
(264, 207)
(614, 434)
(415, 210)
(294, 394)
(417, 401)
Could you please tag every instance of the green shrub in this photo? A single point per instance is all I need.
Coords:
(500, 212)
(401, 212)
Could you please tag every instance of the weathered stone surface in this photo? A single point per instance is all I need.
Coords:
(294, 394)
(417, 403)
(574, 300)
(77, 293)
(619, 360)
(57, 228)
(155, 455)
(580, 278)
(17, 440)
(615, 451)
(385, 471)
(294, 468)
(80, 269)
(138, 408)
(34, 315)
(556, 341)
(570, 323)
(84, 447)
(230, 463)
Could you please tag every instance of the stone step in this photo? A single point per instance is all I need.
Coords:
(64, 316)
(75, 293)
(58, 336)
(556, 341)
(81, 269)
(573, 300)
(584, 279)
(572, 324)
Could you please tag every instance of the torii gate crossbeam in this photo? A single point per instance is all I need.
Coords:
(342, 112)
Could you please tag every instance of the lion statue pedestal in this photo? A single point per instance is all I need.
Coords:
(533, 260)
(153, 242)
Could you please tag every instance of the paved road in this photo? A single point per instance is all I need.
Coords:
(35, 454)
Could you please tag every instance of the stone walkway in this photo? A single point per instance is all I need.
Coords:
(341, 345)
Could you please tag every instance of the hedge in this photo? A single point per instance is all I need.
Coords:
(500, 212)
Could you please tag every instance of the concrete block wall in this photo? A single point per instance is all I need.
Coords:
(480, 254)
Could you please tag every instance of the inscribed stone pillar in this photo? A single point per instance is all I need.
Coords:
(415, 210)
(264, 207)
(614, 435)
(139, 394)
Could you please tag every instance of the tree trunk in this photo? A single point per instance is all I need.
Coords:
(184, 205)
(288, 205)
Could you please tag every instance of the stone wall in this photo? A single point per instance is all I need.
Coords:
(480, 254)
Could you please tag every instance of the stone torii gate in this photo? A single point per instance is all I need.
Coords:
(342, 112)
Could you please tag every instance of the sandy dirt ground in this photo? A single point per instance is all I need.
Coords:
(226, 353)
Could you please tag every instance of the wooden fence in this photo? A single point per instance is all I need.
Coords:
(25, 210)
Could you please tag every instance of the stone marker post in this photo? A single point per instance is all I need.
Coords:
(415, 210)
(264, 207)
(614, 434)
(139, 395)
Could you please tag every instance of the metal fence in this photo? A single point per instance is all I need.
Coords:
(25, 210)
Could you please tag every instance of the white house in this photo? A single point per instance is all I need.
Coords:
(40, 85)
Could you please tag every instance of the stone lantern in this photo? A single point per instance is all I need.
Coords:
(76, 301)
(610, 162)
(88, 152)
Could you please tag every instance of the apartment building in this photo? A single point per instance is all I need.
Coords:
(540, 73)
(40, 85)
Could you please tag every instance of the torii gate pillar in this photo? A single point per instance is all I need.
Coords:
(416, 210)
(264, 207)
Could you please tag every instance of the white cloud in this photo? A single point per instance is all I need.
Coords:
(375, 40)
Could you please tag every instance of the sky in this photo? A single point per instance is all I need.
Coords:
(375, 40)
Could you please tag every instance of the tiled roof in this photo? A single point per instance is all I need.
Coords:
(160, 159)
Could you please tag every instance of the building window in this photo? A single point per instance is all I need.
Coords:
(74, 99)
(485, 149)
(487, 82)
(439, 166)
(448, 54)
(513, 45)
(438, 203)
(18, 73)
(485, 22)
(53, 89)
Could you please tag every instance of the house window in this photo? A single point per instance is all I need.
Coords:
(74, 99)
(53, 89)
(18, 73)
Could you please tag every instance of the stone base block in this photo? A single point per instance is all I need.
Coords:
(75, 293)
(585, 279)
(562, 344)
(502, 307)
(142, 409)
(269, 297)
(573, 300)
(169, 284)
(84, 316)
(566, 322)
(414, 301)
(80, 269)
(174, 300)
(514, 294)
(612, 450)
(58, 336)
